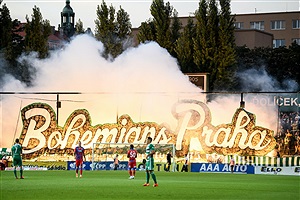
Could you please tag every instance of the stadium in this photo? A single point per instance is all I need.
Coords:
(259, 130)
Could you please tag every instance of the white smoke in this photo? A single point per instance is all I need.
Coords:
(260, 81)
(143, 82)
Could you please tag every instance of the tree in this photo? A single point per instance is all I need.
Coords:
(6, 27)
(146, 32)
(164, 28)
(112, 30)
(281, 63)
(9, 41)
(284, 63)
(226, 56)
(12, 45)
(16, 44)
(123, 29)
(123, 24)
(200, 41)
(184, 48)
(79, 27)
(37, 33)
(214, 43)
(162, 19)
(175, 32)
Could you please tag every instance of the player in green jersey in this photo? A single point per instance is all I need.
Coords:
(16, 151)
(150, 163)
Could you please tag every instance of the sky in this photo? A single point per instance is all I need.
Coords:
(138, 10)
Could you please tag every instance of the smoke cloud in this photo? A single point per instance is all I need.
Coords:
(143, 82)
(259, 80)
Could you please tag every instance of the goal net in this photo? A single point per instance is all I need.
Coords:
(103, 155)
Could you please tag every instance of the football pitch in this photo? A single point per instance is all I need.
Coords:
(172, 185)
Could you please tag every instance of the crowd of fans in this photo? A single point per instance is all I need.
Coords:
(288, 136)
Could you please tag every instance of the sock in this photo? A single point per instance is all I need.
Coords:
(133, 172)
(15, 172)
(153, 177)
(21, 172)
(147, 177)
(129, 171)
(76, 170)
(80, 171)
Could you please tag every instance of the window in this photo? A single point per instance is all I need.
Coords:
(296, 23)
(239, 25)
(297, 40)
(278, 25)
(278, 43)
(64, 19)
(257, 25)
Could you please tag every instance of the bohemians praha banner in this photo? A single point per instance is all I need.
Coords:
(41, 134)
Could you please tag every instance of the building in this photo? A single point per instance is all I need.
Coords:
(253, 38)
(55, 41)
(261, 29)
(67, 26)
(66, 30)
(284, 26)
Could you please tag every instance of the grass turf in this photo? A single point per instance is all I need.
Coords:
(116, 185)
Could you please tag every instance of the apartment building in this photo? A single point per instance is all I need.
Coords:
(284, 26)
(261, 29)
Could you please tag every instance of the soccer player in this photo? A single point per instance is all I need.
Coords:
(232, 163)
(16, 151)
(169, 157)
(186, 163)
(116, 162)
(131, 154)
(79, 155)
(150, 163)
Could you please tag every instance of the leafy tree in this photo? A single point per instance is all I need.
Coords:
(16, 45)
(175, 32)
(111, 30)
(123, 24)
(104, 25)
(12, 45)
(280, 63)
(214, 43)
(37, 33)
(226, 56)
(294, 64)
(6, 27)
(123, 29)
(79, 27)
(164, 28)
(200, 41)
(284, 63)
(162, 20)
(184, 48)
(146, 32)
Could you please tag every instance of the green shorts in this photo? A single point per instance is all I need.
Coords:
(17, 162)
(150, 164)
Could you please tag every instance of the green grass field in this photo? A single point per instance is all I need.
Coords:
(116, 185)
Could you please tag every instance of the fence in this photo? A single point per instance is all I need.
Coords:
(265, 161)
